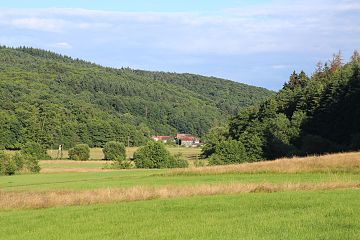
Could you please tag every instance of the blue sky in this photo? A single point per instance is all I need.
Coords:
(135, 5)
(256, 42)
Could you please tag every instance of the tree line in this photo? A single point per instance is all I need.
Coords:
(309, 115)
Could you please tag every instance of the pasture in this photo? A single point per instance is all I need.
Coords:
(299, 198)
(189, 153)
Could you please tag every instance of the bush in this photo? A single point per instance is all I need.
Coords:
(114, 151)
(19, 160)
(177, 161)
(155, 155)
(18, 163)
(228, 152)
(7, 164)
(80, 152)
(35, 150)
(31, 164)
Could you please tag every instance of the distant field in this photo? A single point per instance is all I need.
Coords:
(298, 198)
(97, 154)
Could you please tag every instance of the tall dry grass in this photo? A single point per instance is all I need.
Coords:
(342, 162)
(12, 200)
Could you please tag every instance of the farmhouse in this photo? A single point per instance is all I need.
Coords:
(187, 140)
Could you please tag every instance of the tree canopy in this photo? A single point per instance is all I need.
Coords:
(309, 115)
(53, 99)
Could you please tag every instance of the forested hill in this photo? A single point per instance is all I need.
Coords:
(310, 115)
(53, 99)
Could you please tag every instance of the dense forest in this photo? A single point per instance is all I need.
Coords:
(309, 115)
(53, 99)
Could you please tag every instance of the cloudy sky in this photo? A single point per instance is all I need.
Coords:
(257, 42)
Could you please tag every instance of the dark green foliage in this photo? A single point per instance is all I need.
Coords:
(80, 152)
(211, 139)
(152, 155)
(228, 152)
(308, 116)
(253, 144)
(35, 150)
(10, 165)
(53, 99)
(312, 144)
(155, 155)
(355, 141)
(114, 151)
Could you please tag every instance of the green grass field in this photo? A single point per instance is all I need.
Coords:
(130, 178)
(331, 214)
(299, 212)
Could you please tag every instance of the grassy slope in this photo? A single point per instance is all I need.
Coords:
(53, 84)
(292, 214)
(284, 215)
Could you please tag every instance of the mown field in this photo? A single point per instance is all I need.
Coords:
(299, 198)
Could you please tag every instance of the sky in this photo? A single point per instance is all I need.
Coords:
(257, 42)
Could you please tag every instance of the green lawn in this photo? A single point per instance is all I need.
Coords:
(128, 178)
(331, 214)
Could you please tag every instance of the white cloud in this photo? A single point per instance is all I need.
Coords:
(277, 27)
(42, 24)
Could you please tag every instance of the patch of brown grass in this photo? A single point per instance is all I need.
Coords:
(11, 200)
(74, 170)
(72, 162)
(342, 162)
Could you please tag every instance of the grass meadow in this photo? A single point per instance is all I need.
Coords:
(298, 198)
(333, 214)
(189, 153)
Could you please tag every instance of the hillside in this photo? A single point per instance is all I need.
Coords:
(53, 99)
(310, 115)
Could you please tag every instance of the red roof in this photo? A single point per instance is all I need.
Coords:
(186, 137)
(181, 136)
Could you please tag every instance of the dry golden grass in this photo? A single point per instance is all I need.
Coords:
(95, 154)
(342, 162)
(11, 200)
(74, 170)
(72, 162)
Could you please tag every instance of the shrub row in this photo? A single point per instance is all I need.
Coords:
(152, 155)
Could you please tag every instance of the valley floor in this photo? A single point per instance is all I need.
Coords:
(300, 198)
